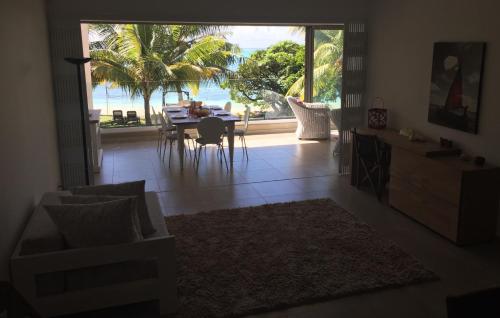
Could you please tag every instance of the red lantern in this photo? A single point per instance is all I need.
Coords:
(377, 116)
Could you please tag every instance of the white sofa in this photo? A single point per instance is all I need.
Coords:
(58, 281)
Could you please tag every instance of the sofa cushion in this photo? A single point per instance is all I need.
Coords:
(41, 234)
(110, 274)
(96, 224)
(135, 188)
(88, 199)
(52, 242)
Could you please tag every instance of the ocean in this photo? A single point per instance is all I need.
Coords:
(108, 99)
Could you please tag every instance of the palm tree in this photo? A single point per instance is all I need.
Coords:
(327, 70)
(195, 54)
(142, 58)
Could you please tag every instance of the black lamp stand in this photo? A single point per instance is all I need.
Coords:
(79, 62)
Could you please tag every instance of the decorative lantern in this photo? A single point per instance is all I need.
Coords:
(377, 115)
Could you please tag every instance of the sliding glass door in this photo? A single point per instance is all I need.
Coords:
(325, 47)
(327, 66)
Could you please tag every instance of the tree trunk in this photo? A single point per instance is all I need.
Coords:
(163, 93)
(179, 93)
(147, 112)
(285, 109)
(275, 108)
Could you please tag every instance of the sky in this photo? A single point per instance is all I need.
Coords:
(254, 37)
(262, 36)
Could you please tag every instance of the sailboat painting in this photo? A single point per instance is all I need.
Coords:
(457, 70)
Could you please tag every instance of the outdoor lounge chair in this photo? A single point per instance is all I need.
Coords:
(313, 119)
(118, 117)
(132, 117)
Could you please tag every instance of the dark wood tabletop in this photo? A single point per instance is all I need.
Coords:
(180, 116)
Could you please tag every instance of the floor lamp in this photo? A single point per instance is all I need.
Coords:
(79, 62)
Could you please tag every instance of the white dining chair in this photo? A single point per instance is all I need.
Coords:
(154, 119)
(242, 132)
(161, 130)
(170, 136)
(211, 132)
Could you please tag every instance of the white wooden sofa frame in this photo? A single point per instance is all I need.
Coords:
(24, 269)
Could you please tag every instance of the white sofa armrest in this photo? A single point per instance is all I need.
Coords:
(94, 256)
(25, 268)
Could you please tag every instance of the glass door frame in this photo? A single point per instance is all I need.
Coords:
(309, 56)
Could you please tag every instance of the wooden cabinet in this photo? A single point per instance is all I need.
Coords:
(454, 198)
(432, 185)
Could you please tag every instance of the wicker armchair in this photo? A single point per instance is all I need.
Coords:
(313, 120)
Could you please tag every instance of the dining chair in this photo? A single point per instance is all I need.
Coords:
(160, 129)
(170, 136)
(155, 119)
(242, 132)
(372, 158)
(211, 132)
(184, 102)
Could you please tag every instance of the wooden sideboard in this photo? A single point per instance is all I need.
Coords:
(432, 185)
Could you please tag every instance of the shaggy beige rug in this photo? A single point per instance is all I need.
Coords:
(249, 260)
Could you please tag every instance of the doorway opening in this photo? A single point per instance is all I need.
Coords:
(139, 68)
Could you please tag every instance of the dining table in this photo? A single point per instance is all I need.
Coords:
(182, 120)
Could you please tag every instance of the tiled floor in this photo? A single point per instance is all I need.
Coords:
(279, 168)
(282, 169)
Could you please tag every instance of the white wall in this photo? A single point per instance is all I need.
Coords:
(29, 159)
(401, 40)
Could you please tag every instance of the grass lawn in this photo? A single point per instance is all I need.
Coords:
(107, 122)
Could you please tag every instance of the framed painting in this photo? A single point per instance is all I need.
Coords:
(455, 96)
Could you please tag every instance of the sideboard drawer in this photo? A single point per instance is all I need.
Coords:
(425, 207)
(426, 174)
